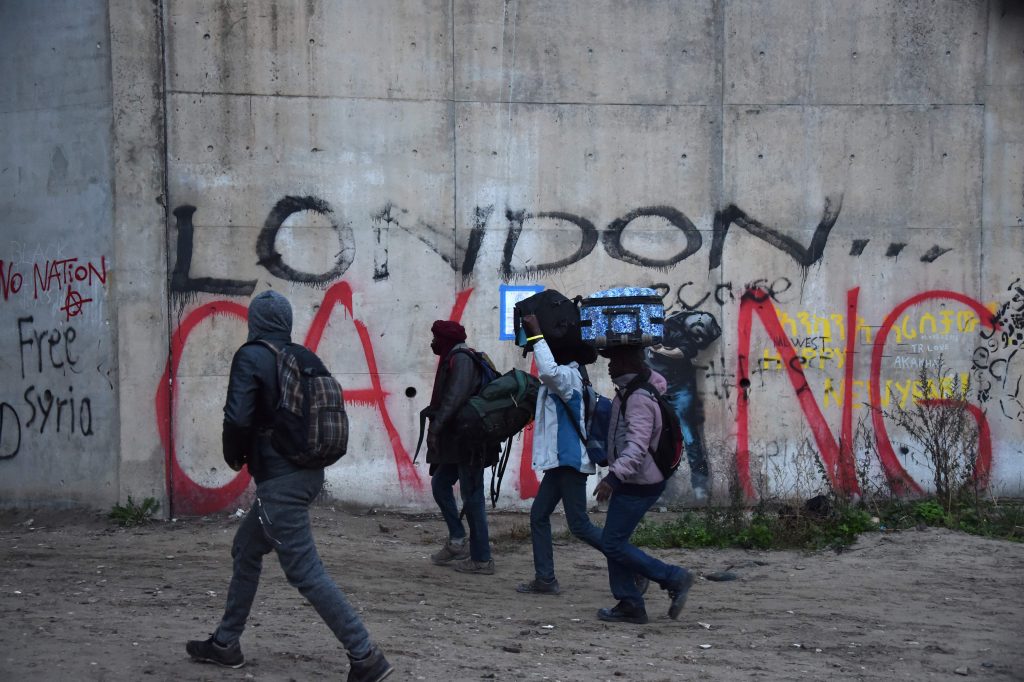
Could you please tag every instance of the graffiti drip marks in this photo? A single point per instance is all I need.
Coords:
(804, 256)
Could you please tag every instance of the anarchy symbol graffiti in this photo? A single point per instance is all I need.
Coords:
(73, 303)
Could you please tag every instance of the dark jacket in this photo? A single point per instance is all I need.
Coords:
(252, 398)
(458, 378)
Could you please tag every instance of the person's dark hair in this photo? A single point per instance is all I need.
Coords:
(582, 354)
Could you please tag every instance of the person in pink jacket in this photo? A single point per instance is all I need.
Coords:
(633, 485)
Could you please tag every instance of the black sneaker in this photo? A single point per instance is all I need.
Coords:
(538, 586)
(677, 593)
(210, 651)
(373, 668)
(623, 613)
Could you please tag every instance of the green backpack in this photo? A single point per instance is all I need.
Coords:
(501, 409)
(498, 412)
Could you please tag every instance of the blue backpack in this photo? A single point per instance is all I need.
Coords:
(597, 414)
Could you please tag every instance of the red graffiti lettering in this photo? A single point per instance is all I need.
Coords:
(899, 480)
(188, 497)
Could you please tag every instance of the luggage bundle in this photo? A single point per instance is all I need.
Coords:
(558, 316)
(626, 316)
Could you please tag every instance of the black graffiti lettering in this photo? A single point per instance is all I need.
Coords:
(805, 256)
(381, 229)
(69, 337)
(60, 409)
(48, 395)
(686, 305)
(774, 290)
(9, 420)
(613, 237)
(894, 249)
(476, 238)
(46, 403)
(181, 281)
(268, 256)
(725, 286)
(53, 340)
(934, 253)
(53, 337)
(857, 248)
(85, 426)
(515, 230)
(28, 401)
(22, 342)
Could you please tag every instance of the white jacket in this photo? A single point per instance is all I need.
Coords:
(555, 441)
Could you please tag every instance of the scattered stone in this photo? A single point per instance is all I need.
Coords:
(721, 576)
(963, 670)
(512, 648)
(988, 664)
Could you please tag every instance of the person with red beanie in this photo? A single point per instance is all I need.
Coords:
(451, 459)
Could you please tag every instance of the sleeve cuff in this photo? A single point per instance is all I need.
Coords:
(613, 480)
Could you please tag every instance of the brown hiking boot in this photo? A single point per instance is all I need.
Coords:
(453, 550)
(478, 567)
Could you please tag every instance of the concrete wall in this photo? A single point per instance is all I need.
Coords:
(812, 173)
(58, 341)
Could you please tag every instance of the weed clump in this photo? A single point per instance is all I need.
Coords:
(133, 514)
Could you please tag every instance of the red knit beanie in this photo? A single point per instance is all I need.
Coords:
(449, 331)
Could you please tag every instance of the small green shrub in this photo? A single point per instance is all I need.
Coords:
(930, 512)
(133, 514)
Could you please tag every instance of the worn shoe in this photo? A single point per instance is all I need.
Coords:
(538, 586)
(370, 669)
(677, 593)
(623, 613)
(642, 583)
(478, 567)
(209, 651)
(452, 551)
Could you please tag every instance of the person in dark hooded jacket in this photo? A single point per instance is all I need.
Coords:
(279, 517)
(453, 459)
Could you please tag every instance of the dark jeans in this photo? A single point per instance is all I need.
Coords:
(569, 486)
(279, 521)
(471, 486)
(684, 400)
(625, 560)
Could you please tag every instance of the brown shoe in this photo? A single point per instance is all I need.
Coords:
(478, 567)
(451, 551)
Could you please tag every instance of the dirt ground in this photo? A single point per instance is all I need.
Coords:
(81, 599)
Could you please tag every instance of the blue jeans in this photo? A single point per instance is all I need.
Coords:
(471, 486)
(279, 521)
(689, 411)
(569, 486)
(625, 560)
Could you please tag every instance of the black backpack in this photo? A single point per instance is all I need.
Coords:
(669, 451)
(310, 426)
(558, 316)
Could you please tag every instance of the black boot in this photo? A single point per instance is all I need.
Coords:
(370, 669)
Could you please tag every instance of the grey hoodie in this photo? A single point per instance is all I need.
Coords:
(270, 315)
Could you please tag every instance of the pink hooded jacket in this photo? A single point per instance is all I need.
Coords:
(632, 437)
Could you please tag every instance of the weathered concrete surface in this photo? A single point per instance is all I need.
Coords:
(808, 171)
(58, 399)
